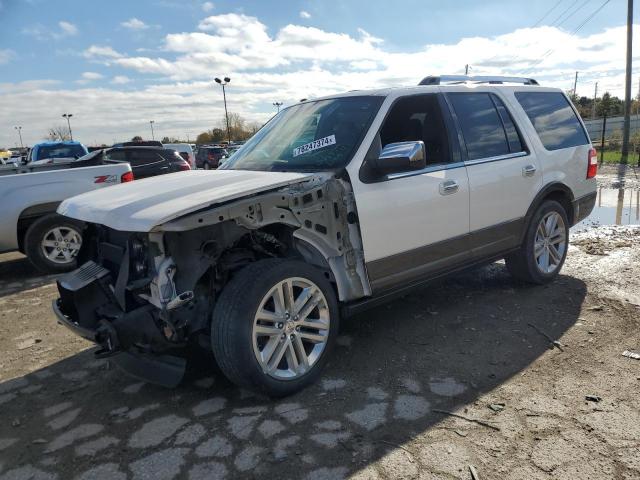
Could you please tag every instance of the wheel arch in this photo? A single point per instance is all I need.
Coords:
(29, 215)
(557, 191)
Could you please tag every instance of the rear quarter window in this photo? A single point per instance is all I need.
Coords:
(553, 118)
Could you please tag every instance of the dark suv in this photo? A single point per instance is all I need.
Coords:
(208, 157)
(144, 161)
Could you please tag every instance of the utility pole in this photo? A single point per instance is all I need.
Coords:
(593, 106)
(151, 122)
(575, 87)
(466, 69)
(277, 105)
(627, 87)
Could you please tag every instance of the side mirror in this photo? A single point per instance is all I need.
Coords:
(401, 157)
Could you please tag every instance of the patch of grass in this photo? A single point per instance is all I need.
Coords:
(614, 157)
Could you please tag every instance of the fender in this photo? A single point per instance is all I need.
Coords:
(550, 189)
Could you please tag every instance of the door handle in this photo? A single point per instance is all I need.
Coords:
(449, 187)
(529, 170)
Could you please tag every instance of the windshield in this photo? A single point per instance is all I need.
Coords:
(317, 135)
(60, 151)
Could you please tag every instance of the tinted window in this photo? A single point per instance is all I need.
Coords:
(116, 155)
(513, 137)
(553, 118)
(143, 157)
(481, 125)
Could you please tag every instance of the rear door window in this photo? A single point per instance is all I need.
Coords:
(481, 125)
(139, 158)
(553, 118)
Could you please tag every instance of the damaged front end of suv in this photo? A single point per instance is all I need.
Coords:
(146, 298)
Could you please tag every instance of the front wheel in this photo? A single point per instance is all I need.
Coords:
(274, 325)
(543, 252)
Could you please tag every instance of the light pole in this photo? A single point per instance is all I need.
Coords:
(277, 105)
(224, 82)
(19, 129)
(68, 117)
(151, 122)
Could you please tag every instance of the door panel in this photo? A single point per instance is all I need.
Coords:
(503, 176)
(410, 227)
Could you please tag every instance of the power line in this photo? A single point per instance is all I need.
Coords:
(580, 7)
(547, 14)
(573, 33)
(563, 13)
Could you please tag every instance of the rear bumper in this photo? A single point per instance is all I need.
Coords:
(583, 206)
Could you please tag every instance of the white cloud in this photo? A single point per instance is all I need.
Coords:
(291, 63)
(120, 80)
(304, 14)
(100, 52)
(6, 55)
(92, 76)
(135, 24)
(41, 32)
(67, 29)
(207, 7)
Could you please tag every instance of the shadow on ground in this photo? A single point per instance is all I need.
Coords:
(439, 349)
(18, 274)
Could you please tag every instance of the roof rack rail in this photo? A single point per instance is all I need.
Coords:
(453, 79)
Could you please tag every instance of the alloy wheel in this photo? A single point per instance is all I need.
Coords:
(61, 244)
(291, 328)
(550, 242)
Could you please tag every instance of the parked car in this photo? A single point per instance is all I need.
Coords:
(208, 157)
(56, 152)
(336, 205)
(145, 161)
(30, 195)
(185, 151)
(5, 155)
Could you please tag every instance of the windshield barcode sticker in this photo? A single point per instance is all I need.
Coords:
(315, 145)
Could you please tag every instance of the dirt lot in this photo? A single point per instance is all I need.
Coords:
(474, 345)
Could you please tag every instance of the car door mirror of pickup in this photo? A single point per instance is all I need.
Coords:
(400, 157)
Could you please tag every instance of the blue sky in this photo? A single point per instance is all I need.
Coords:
(117, 64)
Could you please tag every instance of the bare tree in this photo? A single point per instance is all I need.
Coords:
(58, 133)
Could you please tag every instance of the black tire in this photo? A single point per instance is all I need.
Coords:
(233, 318)
(522, 264)
(35, 236)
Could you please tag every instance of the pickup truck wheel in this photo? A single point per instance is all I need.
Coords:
(52, 243)
(544, 250)
(274, 325)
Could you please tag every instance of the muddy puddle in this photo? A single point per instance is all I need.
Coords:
(613, 207)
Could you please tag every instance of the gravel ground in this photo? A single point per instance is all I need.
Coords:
(476, 345)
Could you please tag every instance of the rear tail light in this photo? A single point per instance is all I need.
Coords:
(126, 177)
(183, 166)
(592, 168)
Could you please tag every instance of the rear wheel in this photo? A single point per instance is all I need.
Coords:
(53, 242)
(543, 252)
(274, 326)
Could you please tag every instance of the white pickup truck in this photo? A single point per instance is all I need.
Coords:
(29, 197)
(335, 205)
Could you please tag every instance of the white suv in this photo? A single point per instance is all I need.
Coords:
(335, 205)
